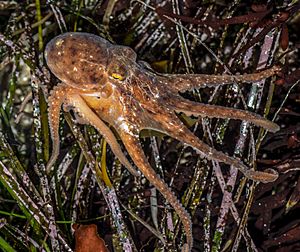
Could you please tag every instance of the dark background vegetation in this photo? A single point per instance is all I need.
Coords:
(175, 36)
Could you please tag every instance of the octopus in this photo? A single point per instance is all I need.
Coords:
(108, 88)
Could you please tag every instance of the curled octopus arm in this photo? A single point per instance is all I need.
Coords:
(87, 114)
(183, 82)
(189, 108)
(180, 132)
(56, 99)
(134, 148)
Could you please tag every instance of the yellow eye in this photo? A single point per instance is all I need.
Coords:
(117, 76)
(118, 71)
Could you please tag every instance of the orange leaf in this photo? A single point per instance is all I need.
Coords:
(87, 239)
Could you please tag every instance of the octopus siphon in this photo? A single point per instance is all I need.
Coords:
(107, 88)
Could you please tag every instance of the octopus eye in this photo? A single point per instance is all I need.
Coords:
(117, 76)
(118, 73)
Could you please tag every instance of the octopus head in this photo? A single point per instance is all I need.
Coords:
(79, 59)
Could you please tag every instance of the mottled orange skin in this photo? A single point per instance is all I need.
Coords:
(105, 85)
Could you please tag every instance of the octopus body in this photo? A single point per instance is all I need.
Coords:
(107, 88)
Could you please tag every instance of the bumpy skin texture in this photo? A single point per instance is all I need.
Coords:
(106, 87)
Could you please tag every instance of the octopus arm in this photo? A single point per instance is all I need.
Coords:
(55, 101)
(183, 82)
(133, 146)
(89, 116)
(173, 127)
(205, 110)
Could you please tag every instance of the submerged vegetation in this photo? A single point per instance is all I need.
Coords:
(41, 211)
